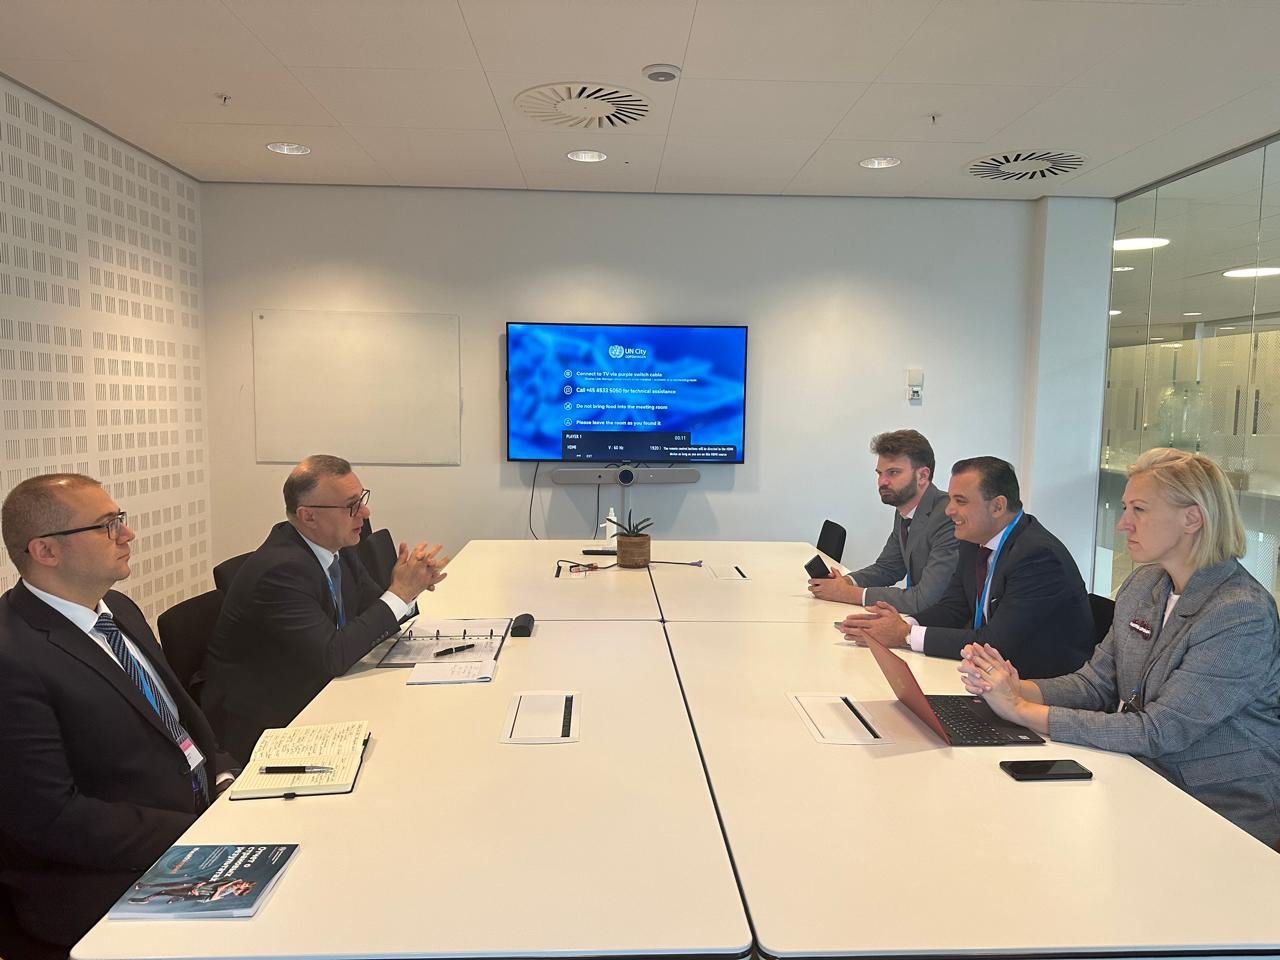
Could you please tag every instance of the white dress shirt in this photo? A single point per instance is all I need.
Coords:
(325, 557)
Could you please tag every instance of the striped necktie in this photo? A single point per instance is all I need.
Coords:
(106, 626)
(335, 588)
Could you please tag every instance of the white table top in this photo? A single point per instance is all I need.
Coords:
(914, 848)
(775, 588)
(503, 578)
(454, 844)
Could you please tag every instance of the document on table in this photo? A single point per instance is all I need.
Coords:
(425, 639)
(543, 716)
(452, 671)
(833, 718)
(728, 571)
(338, 748)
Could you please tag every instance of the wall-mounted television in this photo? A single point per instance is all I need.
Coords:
(626, 393)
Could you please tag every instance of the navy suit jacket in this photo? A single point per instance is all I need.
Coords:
(277, 641)
(1038, 611)
(93, 789)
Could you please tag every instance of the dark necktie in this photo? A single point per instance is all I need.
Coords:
(106, 626)
(980, 574)
(335, 588)
(906, 528)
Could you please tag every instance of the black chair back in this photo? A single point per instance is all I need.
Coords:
(226, 571)
(1103, 610)
(378, 554)
(831, 540)
(185, 631)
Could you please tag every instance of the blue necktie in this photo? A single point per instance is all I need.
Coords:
(106, 626)
(335, 588)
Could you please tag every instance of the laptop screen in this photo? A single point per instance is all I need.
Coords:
(905, 687)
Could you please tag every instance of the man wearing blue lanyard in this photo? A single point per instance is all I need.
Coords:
(1015, 586)
(921, 550)
(106, 760)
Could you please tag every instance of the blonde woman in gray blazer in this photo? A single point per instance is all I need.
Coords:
(1188, 678)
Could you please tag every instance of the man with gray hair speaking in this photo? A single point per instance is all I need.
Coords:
(302, 610)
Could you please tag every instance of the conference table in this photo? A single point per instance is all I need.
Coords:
(697, 815)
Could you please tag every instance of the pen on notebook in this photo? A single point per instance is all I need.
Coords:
(448, 650)
(740, 573)
(306, 769)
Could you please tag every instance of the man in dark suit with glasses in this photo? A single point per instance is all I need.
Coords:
(106, 760)
(302, 609)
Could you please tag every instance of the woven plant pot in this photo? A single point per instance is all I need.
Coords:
(633, 551)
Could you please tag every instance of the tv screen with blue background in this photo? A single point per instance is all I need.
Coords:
(613, 393)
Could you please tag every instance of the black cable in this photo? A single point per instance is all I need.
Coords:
(596, 525)
(533, 486)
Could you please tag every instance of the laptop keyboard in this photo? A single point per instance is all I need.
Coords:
(959, 721)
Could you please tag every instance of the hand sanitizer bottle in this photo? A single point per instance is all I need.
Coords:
(607, 528)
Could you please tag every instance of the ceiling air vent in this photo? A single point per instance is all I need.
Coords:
(590, 106)
(1027, 165)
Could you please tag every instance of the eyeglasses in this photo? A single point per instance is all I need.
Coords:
(112, 527)
(353, 507)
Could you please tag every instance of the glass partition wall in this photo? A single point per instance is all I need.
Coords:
(1193, 358)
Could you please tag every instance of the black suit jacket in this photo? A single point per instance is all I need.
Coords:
(1038, 611)
(277, 643)
(92, 788)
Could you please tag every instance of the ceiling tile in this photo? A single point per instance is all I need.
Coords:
(782, 109)
(433, 99)
(189, 32)
(368, 33)
(571, 40)
(833, 40)
(115, 93)
(740, 159)
(442, 158)
(632, 165)
(963, 112)
(1010, 42)
(335, 155)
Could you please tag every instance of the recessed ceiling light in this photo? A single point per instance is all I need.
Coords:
(1114, 313)
(289, 149)
(879, 163)
(587, 156)
(1156, 339)
(1140, 243)
(1193, 314)
(1226, 328)
(1252, 272)
(1121, 269)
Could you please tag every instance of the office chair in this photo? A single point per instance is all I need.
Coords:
(378, 554)
(1103, 610)
(16, 943)
(185, 631)
(226, 571)
(831, 540)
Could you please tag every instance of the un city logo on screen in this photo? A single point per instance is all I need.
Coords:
(616, 352)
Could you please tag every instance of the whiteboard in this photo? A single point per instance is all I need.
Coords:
(368, 387)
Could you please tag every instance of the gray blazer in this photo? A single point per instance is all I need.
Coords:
(929, 554)
(1206, 687)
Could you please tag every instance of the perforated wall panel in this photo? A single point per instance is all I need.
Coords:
(101, 341)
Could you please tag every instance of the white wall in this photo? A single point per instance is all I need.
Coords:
(841, 296)
(101, 335)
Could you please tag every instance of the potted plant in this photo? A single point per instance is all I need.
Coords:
(633, 542)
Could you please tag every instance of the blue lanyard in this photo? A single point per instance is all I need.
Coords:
(991, 571)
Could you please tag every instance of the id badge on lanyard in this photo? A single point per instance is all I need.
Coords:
(978, 615)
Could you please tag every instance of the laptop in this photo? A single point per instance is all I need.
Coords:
(961, 721)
